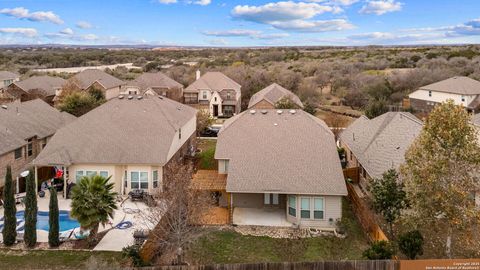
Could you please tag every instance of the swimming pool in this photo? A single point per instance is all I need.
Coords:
(65, 221)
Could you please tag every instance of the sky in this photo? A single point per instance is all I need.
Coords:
(236, 23)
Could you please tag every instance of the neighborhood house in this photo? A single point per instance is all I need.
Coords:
(282, 169)
(133, 140)
(214, 92)
(25, 129)
(44, 87)
(155, 84)
(270, 96)
(98, 79)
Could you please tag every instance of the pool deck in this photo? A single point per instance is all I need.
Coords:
(115, 239)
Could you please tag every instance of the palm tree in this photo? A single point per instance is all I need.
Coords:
(93, 203)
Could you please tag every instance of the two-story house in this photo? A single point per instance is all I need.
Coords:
(154, 84)
(132, 139)
(270, 96)
(464, 91)
(44, 87)
(25, 129)
(216, 93)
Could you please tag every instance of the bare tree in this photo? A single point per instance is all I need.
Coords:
(178, 208)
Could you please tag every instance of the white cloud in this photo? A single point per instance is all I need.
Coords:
(218, 42)
(202, 2)
(27, 32)
(167, 1)
(23, 13)
(195, 2)
(335, 2)
(314, 26)
(254, 34)
(381, 7)
(280, 11)
(67, 31)
(84, 25)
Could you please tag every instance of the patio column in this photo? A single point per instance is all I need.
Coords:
(65, 181)
(36, 180)
(17, 186)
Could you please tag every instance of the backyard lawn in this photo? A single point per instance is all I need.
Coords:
(227, 246)
(206, 155)
(60, 259)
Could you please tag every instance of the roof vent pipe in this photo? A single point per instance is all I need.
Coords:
(292, 111)
(279, 111)
(130, 97)
(4, 107)
(264, 111)
(139, 97)
(252, 111)
(120, 97)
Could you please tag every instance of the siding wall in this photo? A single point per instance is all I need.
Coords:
(439, 97)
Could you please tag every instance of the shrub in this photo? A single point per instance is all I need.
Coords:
(53, 223)
(380, 250)
(30, 236)
(133, 252)
(10, 220)
(411, 244)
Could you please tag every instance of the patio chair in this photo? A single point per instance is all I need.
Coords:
(136, 194)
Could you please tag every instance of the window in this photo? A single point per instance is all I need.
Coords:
(275, 198)
(91, 173)
(292, 206)
(226, 165)
(179, 133)
(318, 208)
(270, 198)
(79, 175)
(305, 207)
(429, 93)
(155, 179)
(266, 198)
(30, 147)
(132, 92)
(139, 180)
(44, 143)
(104, 174)
(204, 94)
(215, 98)
(18, 153)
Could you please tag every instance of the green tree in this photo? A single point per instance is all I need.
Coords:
(309, 108)
(380, 250)
(376, 107)
(30, 236)
(78, 103)
(411, 244)
(440, 174)
(53, 222)
(204, 120)
(93, 203)
(97, 94)
(9, 232)
(285, 103)
(389, 197)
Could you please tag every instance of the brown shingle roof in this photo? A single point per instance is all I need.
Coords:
(7, 75)
(46, 84)
(121, 131)
(380, 143)
(21, 121)
(280, 153)
(274, 93)
(215, 81)
(156, 80)
(87, 77)
(457, 85)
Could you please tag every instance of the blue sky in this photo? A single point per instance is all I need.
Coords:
(240, 22)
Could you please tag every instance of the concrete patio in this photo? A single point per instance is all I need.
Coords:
(260, 217)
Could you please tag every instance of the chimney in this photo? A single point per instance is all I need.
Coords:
(197, 74)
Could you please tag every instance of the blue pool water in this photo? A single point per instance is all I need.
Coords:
(65, 221)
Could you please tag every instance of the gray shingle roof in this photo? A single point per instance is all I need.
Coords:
(87, 77)
(476, 119)
(46, 84)
(457, 85)
(21, 121)
(280, 153)
(7, 75)
(274, 93)
(158, 79)
(215, 81)
(121, 131)
(380, 143)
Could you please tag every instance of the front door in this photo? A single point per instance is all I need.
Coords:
(215, 110)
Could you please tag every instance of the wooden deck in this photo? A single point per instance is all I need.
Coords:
(209, 180)
(215, 216)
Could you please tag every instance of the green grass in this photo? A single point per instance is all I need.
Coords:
(206, 156)
(216, 246)
(59, 259)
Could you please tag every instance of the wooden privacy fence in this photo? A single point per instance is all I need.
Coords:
(365, 216)
(322, 265)
(352, 173)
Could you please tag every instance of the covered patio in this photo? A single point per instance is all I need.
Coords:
(260, 217)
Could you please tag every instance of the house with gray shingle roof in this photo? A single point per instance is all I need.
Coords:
(216, 93)
(132, 139)
(379, 144)
(95, 78)
(464, 91)
(282, 169)
(268, 97)
(155, 84)
(44, 87)
(25, 130)
(7, 78)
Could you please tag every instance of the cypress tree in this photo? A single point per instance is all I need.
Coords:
(53, 223)
(10, 220)
(30, 236)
